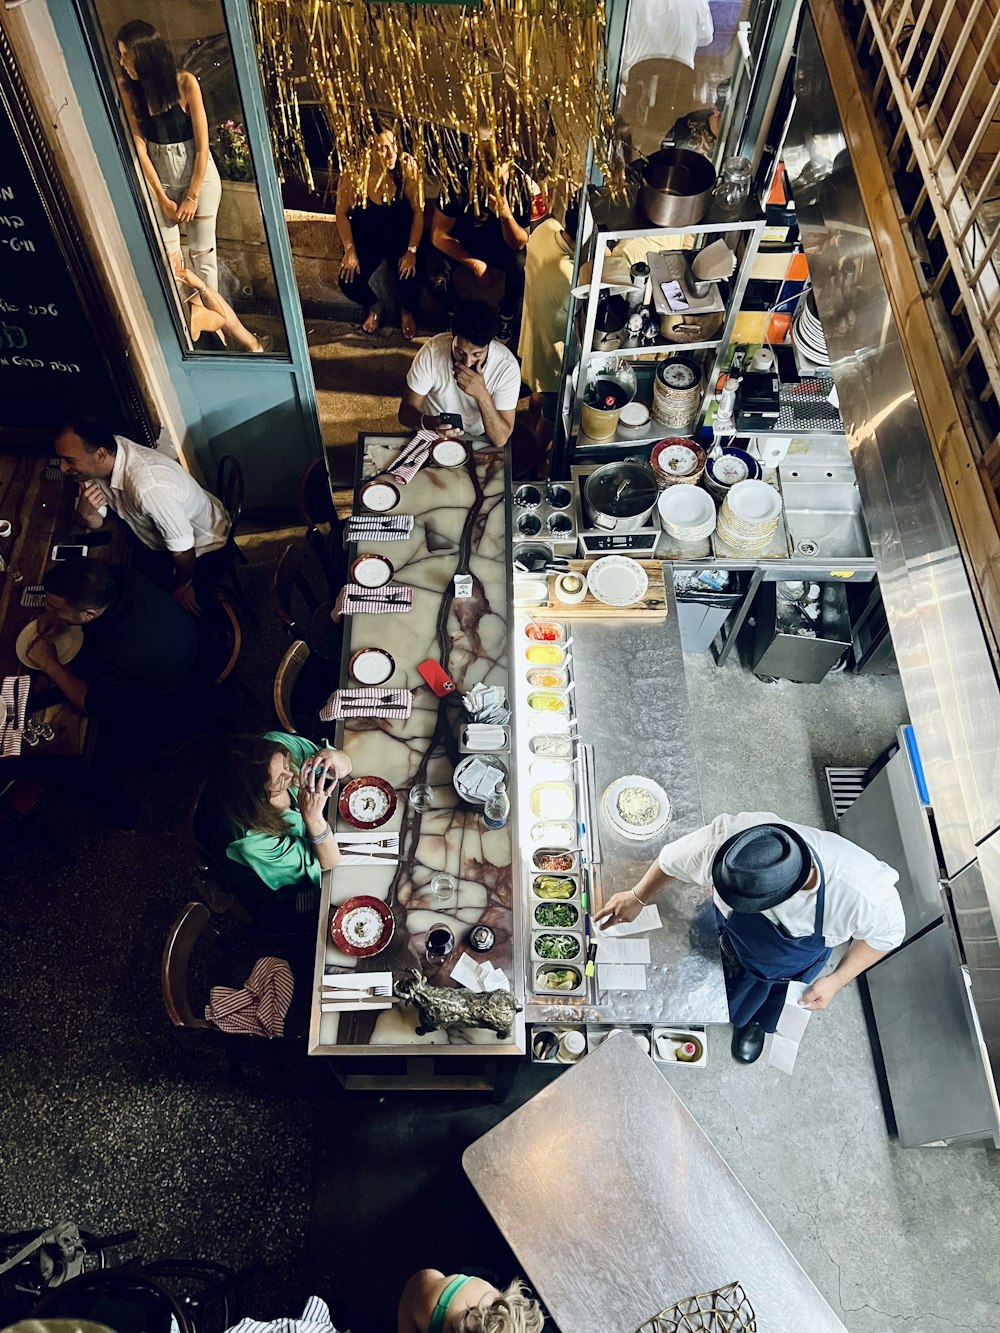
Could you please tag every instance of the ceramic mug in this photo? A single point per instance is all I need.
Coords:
(5, 527)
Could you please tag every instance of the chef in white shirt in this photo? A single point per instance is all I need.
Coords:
(162, 503)
(785, 895)
(464, 374)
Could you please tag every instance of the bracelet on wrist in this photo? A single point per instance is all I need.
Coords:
(327, 833)
(636, 897)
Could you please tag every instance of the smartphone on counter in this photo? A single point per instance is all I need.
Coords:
(450, 419)
(68, 552)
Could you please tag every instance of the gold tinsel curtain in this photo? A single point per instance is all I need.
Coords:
(464, 88)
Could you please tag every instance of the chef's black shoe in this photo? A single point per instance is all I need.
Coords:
(748, 1042)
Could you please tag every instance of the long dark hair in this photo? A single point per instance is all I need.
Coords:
(236, 792)
(154, 88)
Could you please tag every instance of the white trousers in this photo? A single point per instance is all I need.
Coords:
(174, 164)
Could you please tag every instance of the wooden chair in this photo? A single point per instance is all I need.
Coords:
(324, 528)
(193, 925)
(295, 597)
(285, 680)
(230, 487)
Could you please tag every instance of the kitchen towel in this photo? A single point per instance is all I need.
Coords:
(258, 1007)
(371, 528)
(413, 456)
(370, 702)
(14, 693)
(354, 599)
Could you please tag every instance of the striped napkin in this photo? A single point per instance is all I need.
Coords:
(354, 599)
(414, 456)
(368, 702)
(10, 737)
(376, 528)
(258, 1007)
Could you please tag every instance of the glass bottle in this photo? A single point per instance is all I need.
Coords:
(496, 811)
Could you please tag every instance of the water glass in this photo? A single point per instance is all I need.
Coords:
(420, 796)
(443, 887)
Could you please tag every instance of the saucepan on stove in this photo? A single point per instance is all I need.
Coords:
(620, 496)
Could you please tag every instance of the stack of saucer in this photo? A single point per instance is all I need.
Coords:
(808, 335)
(749, 516)
(687, 513)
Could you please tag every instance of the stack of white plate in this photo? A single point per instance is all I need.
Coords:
(808, 334)
(749, 516)
(687, 513)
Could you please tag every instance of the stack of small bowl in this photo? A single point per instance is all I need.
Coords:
(677, 461)
(687, 513)
(749, 516)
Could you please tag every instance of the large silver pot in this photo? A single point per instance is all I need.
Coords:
(676, 187)
(621, 496)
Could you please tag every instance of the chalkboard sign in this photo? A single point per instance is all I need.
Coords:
(57, 339)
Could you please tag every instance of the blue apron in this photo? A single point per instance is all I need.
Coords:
(760, 959)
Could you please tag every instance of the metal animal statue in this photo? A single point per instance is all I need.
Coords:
(447, 1007)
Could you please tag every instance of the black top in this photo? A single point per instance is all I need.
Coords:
(143, 644)
(482, 234)
(170, 126)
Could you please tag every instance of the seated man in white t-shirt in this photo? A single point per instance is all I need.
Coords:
(466, 374)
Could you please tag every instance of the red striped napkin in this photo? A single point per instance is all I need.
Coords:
(259, 1006)
(414, 456)
(355, 599)
(17, 712)
(379, 528)
(369, 702)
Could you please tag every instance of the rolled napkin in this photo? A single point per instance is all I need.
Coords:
(14, 693)
(369, 702)
(354, 599)
(372, 527)
(413, 456)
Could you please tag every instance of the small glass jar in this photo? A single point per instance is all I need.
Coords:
(733, 186)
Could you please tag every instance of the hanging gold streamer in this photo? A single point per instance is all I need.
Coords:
(464, 89)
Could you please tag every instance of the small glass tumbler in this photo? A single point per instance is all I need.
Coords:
(733, 186)
(420, 796)
(443, 887)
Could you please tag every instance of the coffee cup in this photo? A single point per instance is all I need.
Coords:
(5, 527)
(572, 1044)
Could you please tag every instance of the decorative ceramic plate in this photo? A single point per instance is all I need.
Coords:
(67, 643)
(372, 666)
(362, 926)
(367, 802)
(617, 580)
(636, 807)
(372, 571)
(676, 460)
(449, 453)
(379, 496)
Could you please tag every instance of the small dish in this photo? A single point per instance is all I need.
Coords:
(548, 678)
(371, 666)
(362, 926)
(530, 592)
(554, 861)
(372, 571)
(634, 418)
(379, 496)
(539, 631)
(675, 458)
(754, 502)
(449, 453)
(545, 654)
(617, 580)
(553, 833)
(67, 643)
(557, 747)
(462, 768)
(552, 800)
(570, 588)
(553, 979)
(550, 770)
(367, 802)
(548, 701)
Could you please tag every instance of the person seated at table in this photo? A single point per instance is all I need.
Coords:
(181, 527)
(464, 373)
(211, 319)
(266, 799)
(434, 1303)
(139, 646)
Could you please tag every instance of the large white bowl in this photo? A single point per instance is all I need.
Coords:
(754, 502)
(686, 507)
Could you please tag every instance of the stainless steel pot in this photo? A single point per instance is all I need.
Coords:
(621, 496)
(676, 187)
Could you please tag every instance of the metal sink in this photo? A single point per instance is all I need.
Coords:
(824, 518)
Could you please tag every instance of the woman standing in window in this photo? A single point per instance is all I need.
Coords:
(166, 115)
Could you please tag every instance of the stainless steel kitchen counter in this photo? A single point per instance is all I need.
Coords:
(632, 706)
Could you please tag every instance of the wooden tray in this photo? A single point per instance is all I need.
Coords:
(652, 607)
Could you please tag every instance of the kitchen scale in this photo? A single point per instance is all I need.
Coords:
(599, 541)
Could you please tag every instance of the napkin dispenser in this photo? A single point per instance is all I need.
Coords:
(758, 401)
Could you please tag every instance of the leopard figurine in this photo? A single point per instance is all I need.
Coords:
(447, 1007)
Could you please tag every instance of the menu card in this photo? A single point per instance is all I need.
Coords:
(648, 919)
(620, 976)
(623, 951)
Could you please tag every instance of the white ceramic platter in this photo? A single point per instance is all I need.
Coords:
(617, 580)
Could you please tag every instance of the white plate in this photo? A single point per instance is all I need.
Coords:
(379, 496)
(67, 643)
(609, 804)
(372, 571)
(372, 666)
(616, 580)
(754, 501)
(686, 507)
(449, 453)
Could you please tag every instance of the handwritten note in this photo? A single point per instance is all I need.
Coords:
(620, 976)
(648, 919)
(623, 951)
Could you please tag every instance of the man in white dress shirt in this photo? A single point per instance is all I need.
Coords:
(162, 503)
(785, 896)
(465, 374)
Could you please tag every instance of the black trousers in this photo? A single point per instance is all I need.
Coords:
(381, 234)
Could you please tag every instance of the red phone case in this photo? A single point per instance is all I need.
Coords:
(436, 677)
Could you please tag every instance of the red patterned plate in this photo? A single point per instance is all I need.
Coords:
(362, 919)
(367, 802)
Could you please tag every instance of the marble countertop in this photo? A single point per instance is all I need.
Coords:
(460, 527)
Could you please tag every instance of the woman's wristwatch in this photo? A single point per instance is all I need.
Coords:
(411, 249)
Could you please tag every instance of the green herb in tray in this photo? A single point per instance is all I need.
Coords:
(557, 946)
(555, 914)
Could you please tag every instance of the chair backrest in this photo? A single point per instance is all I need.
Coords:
(193, 925)
(229, 487)
(118, 1298)
(285, 680)
(290, 580)
(227, 641)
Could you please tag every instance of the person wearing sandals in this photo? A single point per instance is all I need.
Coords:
(385, 226)
(433, 1303)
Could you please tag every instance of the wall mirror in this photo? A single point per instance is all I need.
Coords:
(176, 105)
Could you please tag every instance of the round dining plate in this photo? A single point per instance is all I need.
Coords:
(67, 643)
(372, 571)
(372, 666)
(754, 501)
(367, 802)
(631, 794)
(362, 926)
(449, 453)
(686, 507)
(617, 580)
(379, 496)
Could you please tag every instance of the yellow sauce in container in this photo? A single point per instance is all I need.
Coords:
(545, 654)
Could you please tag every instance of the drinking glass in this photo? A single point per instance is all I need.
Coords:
(443, 887)
(420, 796)
(439, 943)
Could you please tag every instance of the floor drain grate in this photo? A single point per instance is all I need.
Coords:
(845, 786)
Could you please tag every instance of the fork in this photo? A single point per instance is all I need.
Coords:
(362, 992)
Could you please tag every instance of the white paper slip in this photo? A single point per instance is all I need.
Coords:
(623, 951)
(792, 1023)
(782, 1053)
(648, 919)
(620, 976)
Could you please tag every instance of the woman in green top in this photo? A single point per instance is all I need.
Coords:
(268, 797)
(434, 1303)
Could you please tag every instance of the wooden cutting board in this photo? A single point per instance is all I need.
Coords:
(652, 607)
